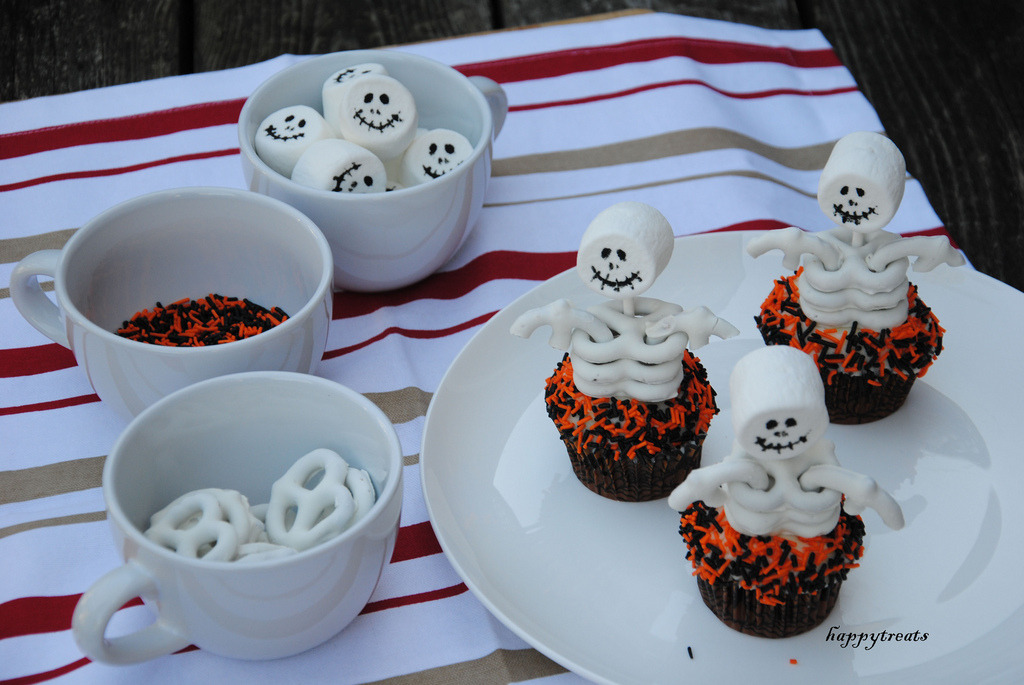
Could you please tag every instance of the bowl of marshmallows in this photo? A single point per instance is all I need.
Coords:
(389, 153)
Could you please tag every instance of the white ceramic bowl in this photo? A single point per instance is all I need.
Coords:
(164, 246)
(387, 240)
(240, 432)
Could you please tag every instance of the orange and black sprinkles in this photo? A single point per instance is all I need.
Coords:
(775, 568)
(630, 428)
(907, 350)
(211, 320)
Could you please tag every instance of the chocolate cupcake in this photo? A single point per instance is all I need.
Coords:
(629, 450)
(850, 305)
(630, 402)
(867, 374)
(772, 530)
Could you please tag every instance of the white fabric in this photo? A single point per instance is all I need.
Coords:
(706, 142)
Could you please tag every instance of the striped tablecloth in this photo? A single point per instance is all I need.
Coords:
(720, 126)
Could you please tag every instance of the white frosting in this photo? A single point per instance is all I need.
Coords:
(857, 272)
(316, 499)
(628, 347)
(379, 113)
(312, 502)
(782, 476)
(209, 524)
(284, 135)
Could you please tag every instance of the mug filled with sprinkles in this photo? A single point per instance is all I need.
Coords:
(174, 287)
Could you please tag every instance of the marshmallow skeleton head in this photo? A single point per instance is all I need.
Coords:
(334, 88)
(284, 135)
(624, 249)
(432, 154)
(341, 167)
(862, 184)
(778, 411)
(378, 113)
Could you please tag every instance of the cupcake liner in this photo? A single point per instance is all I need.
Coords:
(740, 610)
(856, 399)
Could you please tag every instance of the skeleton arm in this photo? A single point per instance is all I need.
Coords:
(705, 483)
(929, 250)
(861, 492)
(699, 325)
(794, 243)
(563, 319)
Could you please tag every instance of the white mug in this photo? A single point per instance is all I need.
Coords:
(386, 240)
(240, 432)
(169, 245)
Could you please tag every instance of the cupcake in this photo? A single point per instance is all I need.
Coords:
(850, 304)
(630, 402)
(773, 529)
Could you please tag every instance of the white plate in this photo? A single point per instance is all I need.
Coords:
(604, 588)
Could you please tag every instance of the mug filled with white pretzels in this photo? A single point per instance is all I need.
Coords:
(388, 152)
(254, 512)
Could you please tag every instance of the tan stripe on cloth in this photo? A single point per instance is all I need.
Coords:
(501, 666)
(400, 406)
(669, 144)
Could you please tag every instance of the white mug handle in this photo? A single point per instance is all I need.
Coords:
(496, 98)
(97, 606)
(30, 299)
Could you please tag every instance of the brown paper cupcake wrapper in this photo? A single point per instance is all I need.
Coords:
(852, 399)
(740, 610)
(636, 480)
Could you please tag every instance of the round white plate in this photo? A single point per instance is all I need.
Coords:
(604, 587)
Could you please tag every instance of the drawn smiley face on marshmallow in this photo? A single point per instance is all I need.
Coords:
(778, 403)
(284, 135)
(862, 184)
(433, 154)
(624, 249)
(340, 166)
(337, 83)
(378, 113)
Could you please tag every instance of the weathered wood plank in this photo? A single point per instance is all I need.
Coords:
(774, 14)
(55, 46)
(229, 34)
(944, 77)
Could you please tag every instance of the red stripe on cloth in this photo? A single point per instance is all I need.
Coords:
(134, 127)
(520, 68)
(47, 675)
(28, 361)
(415, 541)
(561, 62)
(416, 334)
(450, 285)
(420, 598)
(97, 173)
(35, 615)
(684, 82)
(52, 404)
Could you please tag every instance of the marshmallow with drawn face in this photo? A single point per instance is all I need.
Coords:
(624, 249)
(778, 403)
(284, 135)
(341, 167)
(335, 85)
(862, 184)
(433, 154)
(378, 113)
